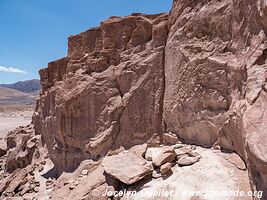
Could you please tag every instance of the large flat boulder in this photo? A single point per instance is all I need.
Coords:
(127, 167)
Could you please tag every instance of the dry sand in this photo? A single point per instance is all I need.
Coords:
(11, 120)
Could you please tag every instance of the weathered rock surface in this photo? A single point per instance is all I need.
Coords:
(13, 182)
(127, 167)
(96, 180)
(23, 147)
(164, 155)
(215, 78)
(93, 100)
(255, 127)
(3, 148)
(197, 74)
(139, 150)
(186, 160)
(212, 173)
(169, 138)
(166, 168)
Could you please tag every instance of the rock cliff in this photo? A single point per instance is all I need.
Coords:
(199, 73)
(107, 93)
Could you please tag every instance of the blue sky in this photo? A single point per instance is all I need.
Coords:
(34, 32)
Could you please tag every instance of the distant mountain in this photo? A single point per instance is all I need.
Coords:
(10, 96)
(28, 86)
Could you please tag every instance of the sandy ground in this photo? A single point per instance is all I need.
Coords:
(11, 120)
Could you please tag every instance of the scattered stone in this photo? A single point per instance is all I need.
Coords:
(37, 183)
(40, 168)
(166, 168)
(166, 154)
(127, 167)
(186, 161)
(148, 155)
(75, 183)
(177, 146)
(48, 183)
(155, 174)
(71, 187)
(170, 138)
(30, 144)
(182, 151)
(36, 189)
(139, 150)
(193, 147)
(16, 180)
(193, 154)
(43, 162)
(216, 147)
(84, 172)
(67, 182)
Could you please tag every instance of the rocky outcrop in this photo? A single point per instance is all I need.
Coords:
(107, 93)
(23, 147)
(215, 72)
(198, 74)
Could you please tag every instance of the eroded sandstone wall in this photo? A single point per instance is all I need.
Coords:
(107, 94)
(215, 72)
(199, 73)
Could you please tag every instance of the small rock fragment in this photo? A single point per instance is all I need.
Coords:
(148, 155)
(170, 138)
(166, 154)
(166, 168)
(182, 151)
(155, 174)
(193, 154)
(177, 146)
(186, 161)
(84, 172)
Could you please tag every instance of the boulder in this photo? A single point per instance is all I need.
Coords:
(165, 154)
(17, 179)
(182, 151)
(170, 138)
(139, 150)
(97, 180)
(127, 167)
(24, 147)
(186, 161)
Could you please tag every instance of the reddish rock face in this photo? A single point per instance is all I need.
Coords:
(199, 73)
(255, 127)
(107, 93)
(215, 72)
